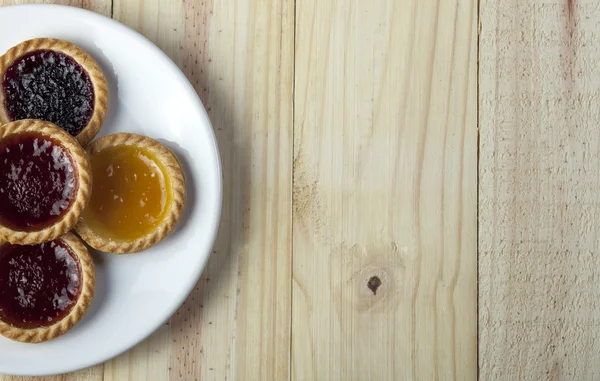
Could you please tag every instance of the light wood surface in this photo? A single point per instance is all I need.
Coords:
(348, 134)
(538, 195)
(239, 56)
(385, 185)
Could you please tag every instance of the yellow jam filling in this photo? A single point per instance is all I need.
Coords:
(131, 193)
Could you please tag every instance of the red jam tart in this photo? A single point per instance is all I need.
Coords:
(56, 81)
(44, 182)
(45, 289)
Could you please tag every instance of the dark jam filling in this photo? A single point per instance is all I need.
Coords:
(39, 285)
(37, 181)
(51, 86)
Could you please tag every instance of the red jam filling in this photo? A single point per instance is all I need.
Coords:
(51, 86)
(38, 181)
(39, 284)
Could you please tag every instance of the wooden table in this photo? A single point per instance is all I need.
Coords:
(408, 184)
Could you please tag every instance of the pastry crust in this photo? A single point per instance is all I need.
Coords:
(166, 227)
(88, 288)
(84, 182)
(84, 59)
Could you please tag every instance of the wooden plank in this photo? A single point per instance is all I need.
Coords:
(539, 175)
(385, 190)
(239, 57)
(162, 23)
(102, 7)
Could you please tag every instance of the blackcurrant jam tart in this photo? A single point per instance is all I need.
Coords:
(45, 289)
(45, 182)
(138, 194)
(56, 81)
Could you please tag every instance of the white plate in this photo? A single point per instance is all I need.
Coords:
(149, 95)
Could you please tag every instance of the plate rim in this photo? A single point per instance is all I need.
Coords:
(215, 219)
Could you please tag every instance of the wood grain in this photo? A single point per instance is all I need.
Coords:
(385, 191)
(539, 174)
(239, 57)
(348, 138)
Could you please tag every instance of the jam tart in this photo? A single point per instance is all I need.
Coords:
(45, 182)
(56, 81)
(45, 289)
(138, 196)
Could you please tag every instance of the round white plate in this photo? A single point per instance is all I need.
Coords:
(136, 293)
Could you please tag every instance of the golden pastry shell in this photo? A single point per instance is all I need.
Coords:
(166, 227)
(80, 161)
(84, 301)
(82, 58)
